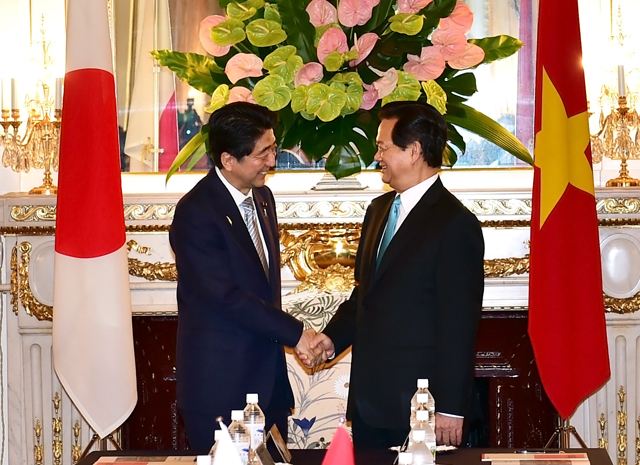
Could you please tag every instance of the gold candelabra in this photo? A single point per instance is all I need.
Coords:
(38, 147)
(618, 139)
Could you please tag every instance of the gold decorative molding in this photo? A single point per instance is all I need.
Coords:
(603, 443)
(622, 306)
(14, 279)
(501, 267)
(321, 209)
(27, 230)
(335, 278)
(618, 206)
(621, 438)
(56, 429)
(76, 448)
(38, 448)
(161, 271)
(141, 212)
(33, 212)
(29, 302)
(498, 206)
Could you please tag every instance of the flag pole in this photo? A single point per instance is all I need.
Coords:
(102, 444)
(563, 433)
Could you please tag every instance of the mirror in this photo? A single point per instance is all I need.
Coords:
(505, 87)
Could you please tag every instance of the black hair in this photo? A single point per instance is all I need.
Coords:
(418, 122)
(236, 127)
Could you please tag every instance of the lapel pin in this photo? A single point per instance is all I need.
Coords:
(229, 220)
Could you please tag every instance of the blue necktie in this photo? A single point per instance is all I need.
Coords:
(390, 230)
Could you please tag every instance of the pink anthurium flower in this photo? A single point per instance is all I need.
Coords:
(243, 65)
(450, 42)
(460, 18)
(240, 94)
(369, 97)
(355, 12)
(429, 65)
(387, 82)
(333, 40)
(310, 73)
(363, 45)
(472, 56)
(321, 13)
(412, 6)
(205, 36)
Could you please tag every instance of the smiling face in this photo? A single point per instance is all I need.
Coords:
(251, 171)
(395, 163)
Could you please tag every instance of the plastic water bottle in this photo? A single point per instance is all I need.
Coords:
(254, 421)
(240, 435)
(427, 403)
(405, 458)
(420, 422)
(419, 450)
(430, 436)
(216, 437)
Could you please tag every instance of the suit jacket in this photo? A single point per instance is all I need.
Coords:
(231, 329)
(417, 315)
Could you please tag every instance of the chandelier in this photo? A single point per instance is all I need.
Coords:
(38, 147)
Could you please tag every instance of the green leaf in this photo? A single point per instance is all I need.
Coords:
(343, 161)
(229, 32)
(190, 147)
(265, 33)
(462, 84)
(472, 120)
(354, 99)
(456, 138)
(284, 62)
(195, 158)
(434, 11)
(245, 10)
(299, 98)
(324, 102)
(334, 61)
(379, 17)
(436, 96)
(497, 48)
(300, 32)
(408, 89)
(272, 92)
(271, 13)
(406, 23)
(199, 71)
(449, 156)
(219, 98)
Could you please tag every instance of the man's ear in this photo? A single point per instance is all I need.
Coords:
(228, 161)
(416, 151)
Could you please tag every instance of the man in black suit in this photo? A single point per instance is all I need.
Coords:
(415, 310)
(231, 329)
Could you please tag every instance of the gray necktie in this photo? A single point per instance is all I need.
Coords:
(390, 230)
(248, 213)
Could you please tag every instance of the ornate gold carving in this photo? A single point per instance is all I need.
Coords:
(145, 228)
(314, 209)
(500, 267)
(33, 212)
(38, 448)
(622, 306)
(335, 278)
(603, 443)
(29, 302)
(76, 448)
(14, 279)
(56, 427)
(620, 206)
(499, 206)
(621, 439)
(149, 212)
(162, 271)
(27, 230)
(638, 441)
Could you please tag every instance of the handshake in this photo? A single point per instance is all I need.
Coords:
(314, 348)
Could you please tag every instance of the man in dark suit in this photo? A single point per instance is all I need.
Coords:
(415, 310)
(231, 329)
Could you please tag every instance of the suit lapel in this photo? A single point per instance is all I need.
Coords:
(272, 241)
(230, 213)
(413, 225)
(371, 242)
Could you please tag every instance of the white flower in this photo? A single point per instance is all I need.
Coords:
(341, 386)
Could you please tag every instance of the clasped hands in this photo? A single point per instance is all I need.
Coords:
(314, 348)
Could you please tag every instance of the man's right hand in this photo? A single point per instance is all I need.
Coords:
(303, 350)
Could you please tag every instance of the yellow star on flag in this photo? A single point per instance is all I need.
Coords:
(560, 150)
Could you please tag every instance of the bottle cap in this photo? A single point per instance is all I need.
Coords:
(252, 398)
(422, 398)
(237, 415)
(422, 415)
(405, 458)
(423, 383)
(418, 435)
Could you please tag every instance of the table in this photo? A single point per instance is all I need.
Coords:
(382, 457)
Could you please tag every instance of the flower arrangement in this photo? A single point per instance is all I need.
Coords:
(327, 66)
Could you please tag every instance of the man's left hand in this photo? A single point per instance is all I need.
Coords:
(448, 430)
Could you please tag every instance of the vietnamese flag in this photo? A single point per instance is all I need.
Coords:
(340, 451)
(566, 308)
(92, 332)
